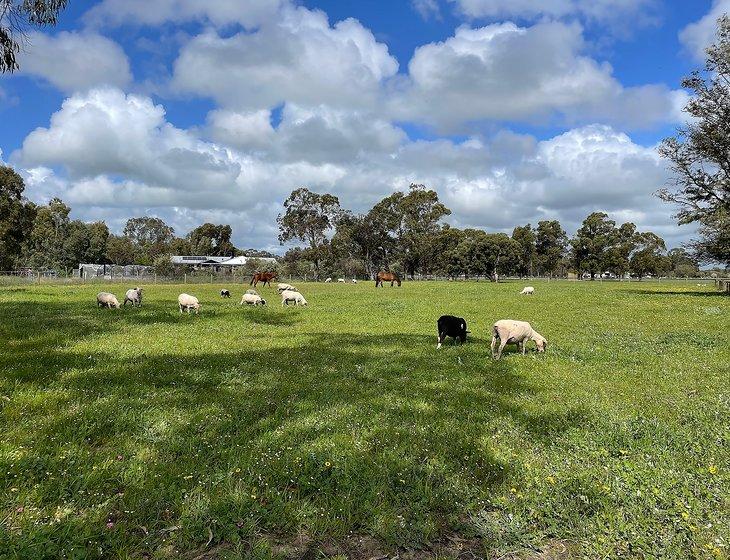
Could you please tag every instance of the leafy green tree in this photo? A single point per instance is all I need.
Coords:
(296, 264)
(150, 236)
(682, 263)
(356, 239)
(16, 16)
(591, 243)
(98, 238)
(407, 224)
(309, 217)
(442, 250)
(714, 242)
(550, 245)
(211, 239)
(485, 254)
(120, 250)
(699, 154)
(525, 236)
(16, 217)
(648, 257)
(47, 246)
(180, 246)
(618, 255)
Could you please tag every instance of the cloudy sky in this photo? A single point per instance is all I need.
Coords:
(515, 111)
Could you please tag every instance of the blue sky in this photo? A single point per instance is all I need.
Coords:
(514, 111)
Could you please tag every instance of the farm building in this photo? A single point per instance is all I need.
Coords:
(217, 263)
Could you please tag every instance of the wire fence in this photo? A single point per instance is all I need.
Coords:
(148, 276)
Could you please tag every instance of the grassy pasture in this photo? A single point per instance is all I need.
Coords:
(338, 429)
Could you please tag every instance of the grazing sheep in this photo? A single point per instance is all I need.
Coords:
(527, 291)
(252, 292)
(341, 280)
(105, 299)
(252, 299)
(328, 280)
(225, 294)
(188, 302)
(448, 325)
(281, 287)
(515, 332)
(134, 296)
(296, 297)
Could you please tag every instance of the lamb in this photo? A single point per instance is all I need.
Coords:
(515, 332)
(134, 296)
(296, 297)
(281, 287)
(188, 302)
(448, 325)
(225, 293)
(105, 299)
(252, 299)
(328, 280)
(341, 280)
(527, 291)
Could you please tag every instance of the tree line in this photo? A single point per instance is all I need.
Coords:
(44, 237)
(405, 233)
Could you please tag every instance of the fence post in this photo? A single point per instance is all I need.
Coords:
(186, 277)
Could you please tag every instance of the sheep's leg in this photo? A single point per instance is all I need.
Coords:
(502, 344)
(439, 340)
(494, 344)
(180, 306)
(523, 344)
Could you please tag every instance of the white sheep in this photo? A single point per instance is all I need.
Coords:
(134, 296)
(252, 292)
(515, 332)
(328, 280)
(296, 297)
(105, 299)
(252, 299)
(527, 291)
(341, 280)
(188, 302)
(281, 287)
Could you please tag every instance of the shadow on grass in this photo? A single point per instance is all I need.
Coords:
(342, 432)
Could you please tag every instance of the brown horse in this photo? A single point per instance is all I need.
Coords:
(265, 277)
(388, 277)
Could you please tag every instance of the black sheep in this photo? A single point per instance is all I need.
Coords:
(448, 325)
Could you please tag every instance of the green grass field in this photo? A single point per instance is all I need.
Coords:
(338, 429)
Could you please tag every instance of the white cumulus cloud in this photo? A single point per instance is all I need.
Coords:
(218, 12)
(626, 12)
(74, 61)
(109, 171)
(699, 35)
(299, 58)
(504, 72)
